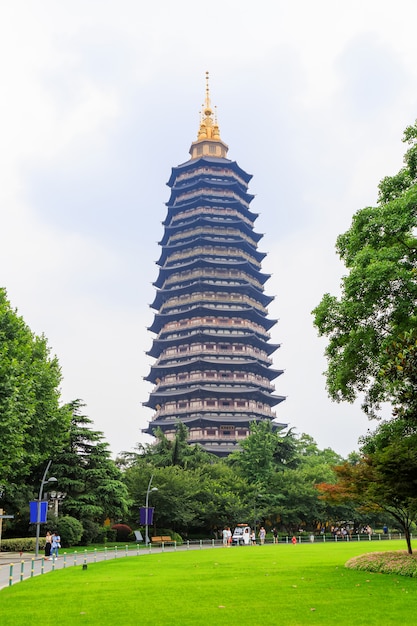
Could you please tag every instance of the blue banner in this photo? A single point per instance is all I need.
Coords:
(146, 515)
(43, 510)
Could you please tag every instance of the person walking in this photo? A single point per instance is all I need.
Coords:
(56, 544)
(262, 535)
(48, 544)
(274, 535)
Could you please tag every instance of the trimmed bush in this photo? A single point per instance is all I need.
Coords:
(70, 530)
(24, 544)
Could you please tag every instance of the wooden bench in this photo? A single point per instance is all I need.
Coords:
(161, 539)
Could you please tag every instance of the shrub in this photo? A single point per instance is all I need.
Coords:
(24, 544)
(122, 531)
(92, 533)
(170, 533)
(71, 531)
(398, 562)
(110, 534)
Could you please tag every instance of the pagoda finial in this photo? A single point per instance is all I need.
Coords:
(207, 109)
(208, 127)
(208, 132)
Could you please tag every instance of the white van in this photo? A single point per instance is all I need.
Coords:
(241, 535)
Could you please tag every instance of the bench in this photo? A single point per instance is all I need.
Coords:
(162, 539)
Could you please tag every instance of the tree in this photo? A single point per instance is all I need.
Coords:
(300, 505)
(263, 452)
(85, 471)
(31, 421)
(384, 477)
(379, 293)
(401, 372)
(202, 498)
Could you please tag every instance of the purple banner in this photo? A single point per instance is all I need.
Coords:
(146, 515)
(43, 510)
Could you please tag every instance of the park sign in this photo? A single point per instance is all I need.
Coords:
(43, 510)
(146, 515)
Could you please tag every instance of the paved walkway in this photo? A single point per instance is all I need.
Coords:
(15, 566)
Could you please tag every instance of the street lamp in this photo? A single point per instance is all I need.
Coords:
(52, 479)
(147, 509)
(56, 498)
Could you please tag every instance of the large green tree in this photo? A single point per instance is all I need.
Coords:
(264, 452)
(87, 474)
(31, 421)
(378, 300)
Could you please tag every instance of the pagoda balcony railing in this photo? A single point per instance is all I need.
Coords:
(210, 175)
(174, 383)
(215, 274)
(211, 333)
(224, 322)
(212, 193)
(217, 333)
(221, 254)
(224, 411)
(211, 298)
(223, 234)
(168, 357)
(214, 306)
(220, 213)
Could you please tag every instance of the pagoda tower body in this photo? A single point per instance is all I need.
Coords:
(212, 368)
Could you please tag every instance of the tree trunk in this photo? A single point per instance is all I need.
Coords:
(408, 540)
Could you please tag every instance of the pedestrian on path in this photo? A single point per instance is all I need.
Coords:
(56, 544)
(48, 544)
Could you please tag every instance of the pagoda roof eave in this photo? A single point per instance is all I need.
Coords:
(201, 285)
(194, 163)
(161, 319)
(201, 201)
(202, 262)
(249, 339)
(207, 391)
(159, 370)
(209, 420)
(210, 223)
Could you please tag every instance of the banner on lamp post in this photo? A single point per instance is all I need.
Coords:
(43, 510)
(146, 515)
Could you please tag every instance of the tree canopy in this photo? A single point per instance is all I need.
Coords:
(31, 420)
(383, 477)
(379, 293)
(86, 473)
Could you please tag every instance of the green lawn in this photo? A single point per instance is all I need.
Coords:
(259, 585)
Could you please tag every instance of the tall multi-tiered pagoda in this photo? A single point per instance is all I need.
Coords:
(212, 367)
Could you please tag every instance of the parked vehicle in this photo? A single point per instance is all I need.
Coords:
(241, 535)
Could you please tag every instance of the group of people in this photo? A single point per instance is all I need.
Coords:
(52, 545)
(248, 539)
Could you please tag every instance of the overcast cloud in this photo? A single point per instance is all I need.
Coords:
(101, 98)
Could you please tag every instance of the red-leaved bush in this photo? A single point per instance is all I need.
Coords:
(122, 531)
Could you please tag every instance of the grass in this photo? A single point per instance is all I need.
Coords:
(262, 585)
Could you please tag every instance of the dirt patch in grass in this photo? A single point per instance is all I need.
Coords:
(398, 562)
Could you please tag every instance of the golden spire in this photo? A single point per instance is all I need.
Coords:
(208, 141)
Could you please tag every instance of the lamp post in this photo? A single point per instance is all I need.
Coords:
(147, 509)
(52, 479)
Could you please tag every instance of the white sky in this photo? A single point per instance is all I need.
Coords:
(101, 98)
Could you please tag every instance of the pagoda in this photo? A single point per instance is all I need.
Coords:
(213, 368)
